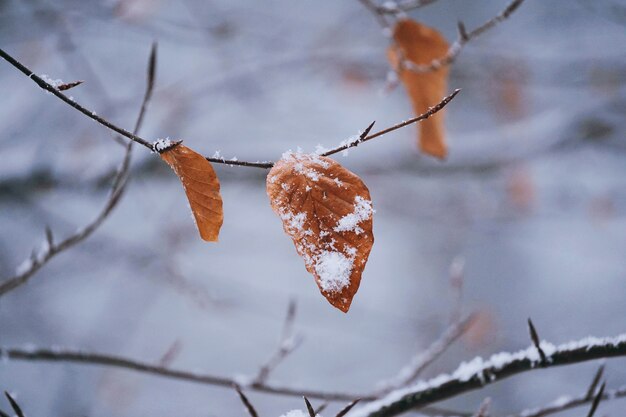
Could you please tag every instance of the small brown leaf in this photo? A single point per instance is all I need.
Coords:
(421, 45)
(327, 211)
(201, 186)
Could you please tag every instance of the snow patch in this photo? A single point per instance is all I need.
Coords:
(161, 145)
(350, 222)
(333, 270)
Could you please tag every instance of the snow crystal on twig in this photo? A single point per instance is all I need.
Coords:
(297, 413)
(161, 145)
(54, 83)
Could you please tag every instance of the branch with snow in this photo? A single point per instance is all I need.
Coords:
(154, 145)
(469, 376)
(49, 248)
(478, 373)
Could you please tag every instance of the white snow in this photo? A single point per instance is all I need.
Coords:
(482, 369)
(306, 164)
(350, 222)
(54, 83)
(161, 144)
(333, 270)
(297, 413)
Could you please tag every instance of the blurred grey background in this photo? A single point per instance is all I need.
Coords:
(533, 197)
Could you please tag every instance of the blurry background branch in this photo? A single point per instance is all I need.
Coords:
(455, 49)
(50, 248)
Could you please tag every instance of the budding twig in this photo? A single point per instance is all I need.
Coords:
(535, 339)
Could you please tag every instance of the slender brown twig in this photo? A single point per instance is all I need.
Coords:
(246, 402)
(596, 400)
(233, 162)
(534, 337)
(50, 248)
(423, 359)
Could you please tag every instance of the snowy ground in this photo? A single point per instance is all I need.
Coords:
(533, 197)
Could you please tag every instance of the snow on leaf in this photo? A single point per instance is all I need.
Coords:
(420, 45)
(327, 212)
(201, 185)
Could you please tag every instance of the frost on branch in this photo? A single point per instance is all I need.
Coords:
(327, 211)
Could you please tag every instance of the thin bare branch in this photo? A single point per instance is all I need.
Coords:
(423, 359)
(288, 343)
(232, 162)
(14, 405)
(483, 410)
(567, 403)
(92, 358)
(535, 339)
(594, 382)
(309, 407)
(246, 403)
(49, 248)
(462, 39)
(431, 111)
(375, 10)
(347, 408)
(596, 400)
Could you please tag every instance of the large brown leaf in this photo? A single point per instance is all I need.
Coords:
(421, 45)
(201, 186)
(327, 211)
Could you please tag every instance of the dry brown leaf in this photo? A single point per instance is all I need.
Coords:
(327, 211)
(201, 186)
(421, 45)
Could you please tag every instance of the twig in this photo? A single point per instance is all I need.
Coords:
(594, 382)
(288, 343)
(14, 405)
(423, 359)
(462, 39)
(431, 111)
(50, 248)
(321, 408)
(478, 373)
(246, 403)
(92, 358)
(347, 408)
(483, 410)
(567, 403)
(596, 400)
(375, 10)
(309, 407)
(150, 145)
(469, 376)
(535, 339)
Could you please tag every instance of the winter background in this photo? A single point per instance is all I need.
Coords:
(532, 197)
